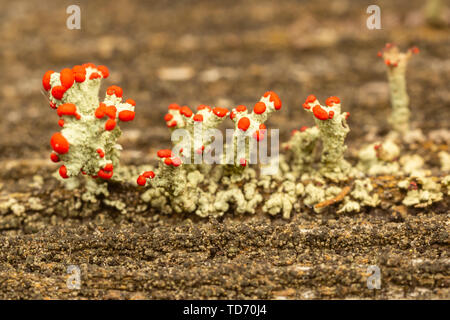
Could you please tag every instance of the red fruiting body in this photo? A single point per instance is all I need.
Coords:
(100, 153)
(100, 111)
(174, 106)
(241, 108)
(115, 90)
(202, 106)
(66, 77)
(94, 75)
(168, 117)
(306, 106)
(58, 92)
(105, 174)
(175, 161)
(61, 122)
(104, 70)
(172, 124)
(198, 118)
(332, 100)
(244, 123)
(67, 109)
(320, 113)
(110, 111)
(243, 162)
(46, 80)
(52, 105)
(259, 108)
(126, 115)
(220, 112)
(80, 77)
(110, 125)
(387, 62)
(141, 180)
(63, 172)
(108, 167)
(168, 161)
(262, 126)
(186, 111)
(413, 186)
(379, 54)
(148, 174)
(164, 153)
(347, 115)
(78, 69)
(59, 143)
(274, 98)
(331, 115)
(89, 64)
(79, 73)
(294, 132)
(310, 98)
(131, 101)
(415, 50)
(302, 129)
(54, 157)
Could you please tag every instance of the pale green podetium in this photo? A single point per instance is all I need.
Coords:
(333, 130)
(300, 149)
(396, 63)
(171, 177)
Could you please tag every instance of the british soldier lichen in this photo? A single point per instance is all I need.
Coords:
(195, 141)
(175, 184)
(87, 142)
(396, 63)
(333, 129)
(250, 127)
(197, 176)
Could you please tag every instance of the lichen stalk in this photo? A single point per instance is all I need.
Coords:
(333, 129)
(396, 63)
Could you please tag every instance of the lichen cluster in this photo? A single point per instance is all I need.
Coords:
(87, 143)
(199, 175)
(183, 183)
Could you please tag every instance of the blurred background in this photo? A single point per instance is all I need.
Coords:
(220, 53)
